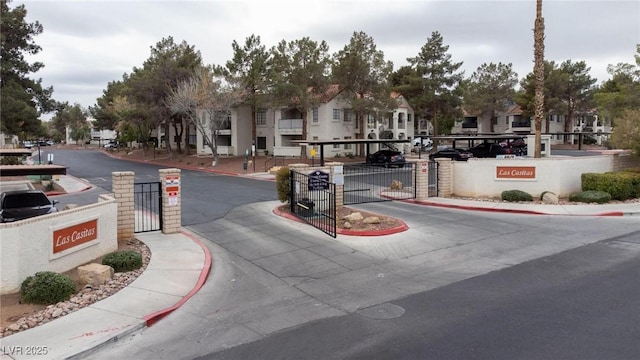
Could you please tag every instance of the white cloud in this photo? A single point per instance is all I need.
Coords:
(87, 44)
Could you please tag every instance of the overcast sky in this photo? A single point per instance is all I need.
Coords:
(86, 44)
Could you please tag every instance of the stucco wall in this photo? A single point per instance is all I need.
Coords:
(560, 175)
(26, 246)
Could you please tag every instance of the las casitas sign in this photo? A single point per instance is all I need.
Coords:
(516, 172)
(75, 235)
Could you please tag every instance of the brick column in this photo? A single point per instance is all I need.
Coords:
(171, 200)
(421, 168)
(339, 188)
(445, 177)
(122, 185)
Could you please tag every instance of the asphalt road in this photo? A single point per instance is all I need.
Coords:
(457, 285)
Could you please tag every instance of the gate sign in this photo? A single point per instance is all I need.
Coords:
(172, 184)
(318, 180)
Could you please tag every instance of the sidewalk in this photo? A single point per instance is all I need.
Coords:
(178, 268)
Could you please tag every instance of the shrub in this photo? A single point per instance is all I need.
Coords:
(46, 287)
(11, 160)
(632, 170)
(599, 197)
(516, 195)
(283, 180)
(620, 185)
(122, 261)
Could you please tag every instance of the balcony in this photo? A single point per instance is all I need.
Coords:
(521, 126)
(290, 126)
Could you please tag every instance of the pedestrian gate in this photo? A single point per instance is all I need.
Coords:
(312, 199)
(147, 206)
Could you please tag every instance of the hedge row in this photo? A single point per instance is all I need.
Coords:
(620, 185)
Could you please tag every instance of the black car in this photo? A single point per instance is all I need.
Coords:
(451, 153)
(386, 158)
(23, 204)
(490, 150)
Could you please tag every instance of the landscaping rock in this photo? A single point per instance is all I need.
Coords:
(356, 216)
(371, 220)
(550, 198)
(95, 274)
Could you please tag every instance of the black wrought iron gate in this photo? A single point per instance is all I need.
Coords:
(313, 200)
(147, 206)
(365, 183)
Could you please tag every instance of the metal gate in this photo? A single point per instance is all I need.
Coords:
(370, 183)
(147, 206)
(433, 178)
(313, 200)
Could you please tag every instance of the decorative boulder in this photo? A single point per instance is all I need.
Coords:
(95, 274)
(550, 198)
(347, 225)
(396, 185)
(371, 220)
(356, 216)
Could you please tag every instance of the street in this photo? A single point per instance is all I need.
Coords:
(457, 284)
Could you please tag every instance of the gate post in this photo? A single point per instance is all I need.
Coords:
(445, 177)
(421, 168)
(171, 203)
(339, 187)
(122, 186)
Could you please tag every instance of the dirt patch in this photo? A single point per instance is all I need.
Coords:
(12, 310)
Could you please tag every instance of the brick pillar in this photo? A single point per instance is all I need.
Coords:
(171, 202)
(339, 188)
(445, 177)
(122, 185)
(421, 168)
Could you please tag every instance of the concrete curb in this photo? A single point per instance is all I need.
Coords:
(398, 229)
(152, 318)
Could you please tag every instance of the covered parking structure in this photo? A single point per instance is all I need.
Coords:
(365, 142)
(473, 140)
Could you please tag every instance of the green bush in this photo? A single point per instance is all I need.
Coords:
(620, 185)
(283, 180)
(632, 170)
(599, 197)
(123, 261)
(46, 287)
(516, 195)
(11, 160)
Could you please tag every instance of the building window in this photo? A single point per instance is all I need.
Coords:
(347, 115)
(336, 114)
(261, 117)
(315, 114)
(401, 121)
(409, 116)
(371, 121)
(347, 146)
(336, 146)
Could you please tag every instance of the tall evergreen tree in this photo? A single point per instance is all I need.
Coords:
(578, 89)
(489, 89)
(300, 74)
(361, 70)
(250, 69)
(436, 81)
(22, 99)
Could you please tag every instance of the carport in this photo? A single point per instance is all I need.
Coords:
(367, 142)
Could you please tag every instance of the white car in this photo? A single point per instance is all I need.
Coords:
(426, 142)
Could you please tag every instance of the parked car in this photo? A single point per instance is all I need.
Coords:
(112, 145)
(27, 144)
(452, 153)
(490, 150)
(386, 158)
(425, 142)
(23, 204)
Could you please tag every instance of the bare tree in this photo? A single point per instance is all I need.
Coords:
(205, 101)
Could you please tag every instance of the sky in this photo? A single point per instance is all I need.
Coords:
(87, 44)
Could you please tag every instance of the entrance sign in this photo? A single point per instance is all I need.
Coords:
(318, 180)
(516, 172)
(75, 235)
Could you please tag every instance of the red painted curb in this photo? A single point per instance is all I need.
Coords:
(395, 230)
(156, 316)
